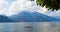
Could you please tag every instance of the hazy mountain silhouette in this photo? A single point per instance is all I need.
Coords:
(5, 19)
(57, 17)
(32, 17)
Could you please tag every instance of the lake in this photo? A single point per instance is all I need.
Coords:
(30, 27)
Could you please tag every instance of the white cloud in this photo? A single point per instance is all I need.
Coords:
(18, 6)
(3, 6)
(56, 13)
(42, 10)
(24, 5)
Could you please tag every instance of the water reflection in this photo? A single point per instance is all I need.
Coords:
(30, 27)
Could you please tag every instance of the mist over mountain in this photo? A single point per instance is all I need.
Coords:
(32, 17)
(5, 19)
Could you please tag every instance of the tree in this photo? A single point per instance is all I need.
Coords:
(50, 4)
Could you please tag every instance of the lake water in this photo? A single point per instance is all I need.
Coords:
(30, 27)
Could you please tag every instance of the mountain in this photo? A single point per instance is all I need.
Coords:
(57, 17)
(5, 19)
(32, 17)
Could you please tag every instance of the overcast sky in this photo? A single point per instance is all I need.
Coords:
(11, 7)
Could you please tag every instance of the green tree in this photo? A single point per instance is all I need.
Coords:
(50, 4)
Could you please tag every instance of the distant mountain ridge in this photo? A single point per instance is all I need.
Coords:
(32, 17)
(57, 17)
(28, 17)
(5, 19)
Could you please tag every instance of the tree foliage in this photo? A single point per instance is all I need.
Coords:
(50, 4)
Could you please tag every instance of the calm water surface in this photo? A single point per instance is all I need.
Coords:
(30, 27)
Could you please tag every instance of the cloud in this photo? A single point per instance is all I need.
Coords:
(24, 5)
(10, 8)
(3, 6)
(20, 5)
(55, 13)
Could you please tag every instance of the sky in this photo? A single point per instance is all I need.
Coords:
(12, 7)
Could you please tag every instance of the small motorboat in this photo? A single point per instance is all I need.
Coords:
(29, 26)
